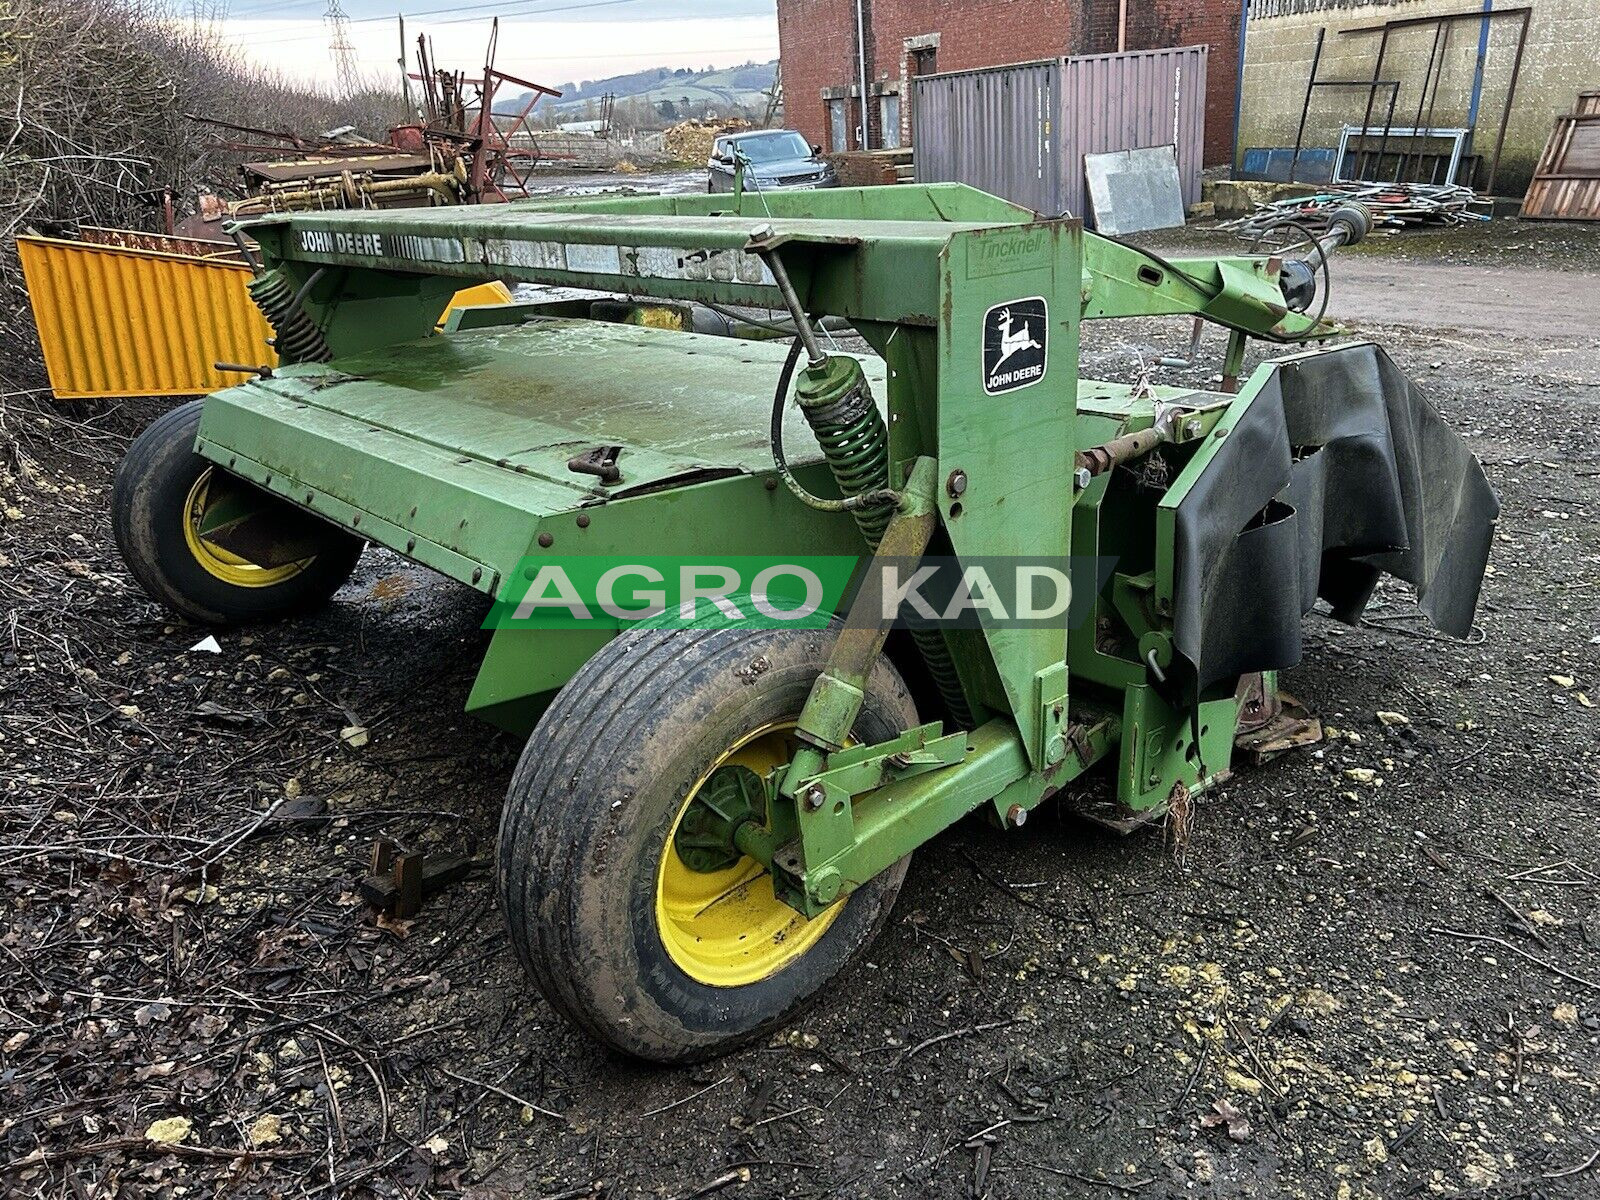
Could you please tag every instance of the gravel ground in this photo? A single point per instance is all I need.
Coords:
(1377, 973)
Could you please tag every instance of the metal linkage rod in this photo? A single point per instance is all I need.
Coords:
(761, 244)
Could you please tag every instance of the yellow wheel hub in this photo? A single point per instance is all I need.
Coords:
(217, 562)
(726, 928)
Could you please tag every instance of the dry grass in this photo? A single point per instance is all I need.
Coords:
(92, 97)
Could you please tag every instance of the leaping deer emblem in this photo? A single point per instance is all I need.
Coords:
(1015, 337)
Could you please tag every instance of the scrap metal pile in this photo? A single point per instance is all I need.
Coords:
(472, 144)
(1396, 205)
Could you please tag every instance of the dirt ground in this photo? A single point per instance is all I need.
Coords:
(1377, 974)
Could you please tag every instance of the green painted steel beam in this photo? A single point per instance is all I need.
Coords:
(1013, 449)
(1239, 293)
(879, 271)
(884, 826)
(864, 254)
(948, 202)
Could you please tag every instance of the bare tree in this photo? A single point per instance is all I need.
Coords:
(92, 128)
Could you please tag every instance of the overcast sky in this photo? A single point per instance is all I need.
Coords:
(549, 41)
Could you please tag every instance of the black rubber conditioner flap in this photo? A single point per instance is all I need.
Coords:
(1339, 471)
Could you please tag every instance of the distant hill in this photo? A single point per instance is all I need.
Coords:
(684, 89)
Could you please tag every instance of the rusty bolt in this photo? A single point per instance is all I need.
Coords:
(546, 540)
(956, 485)
(1016, 816)
(815, 797)
(583, 520)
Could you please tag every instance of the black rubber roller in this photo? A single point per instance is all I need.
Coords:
(1355, 219)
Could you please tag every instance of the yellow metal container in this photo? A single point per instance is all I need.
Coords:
(115, 321)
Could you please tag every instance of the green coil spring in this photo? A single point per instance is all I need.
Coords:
(297, 337)
(855, 443)
(930, 642)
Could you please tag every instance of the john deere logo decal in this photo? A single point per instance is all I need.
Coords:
(1014, 338)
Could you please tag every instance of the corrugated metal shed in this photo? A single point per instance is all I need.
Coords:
(1020, 132)
(993, 129)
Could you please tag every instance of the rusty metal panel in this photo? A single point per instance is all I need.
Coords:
(166, 243)
(123, 322)
(1566, 183)
(993, 129)
(326, 166)
(1021, 132)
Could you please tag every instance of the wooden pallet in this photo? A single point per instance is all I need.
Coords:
(1566, 183)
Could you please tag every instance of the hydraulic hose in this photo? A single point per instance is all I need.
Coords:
(1348, 224)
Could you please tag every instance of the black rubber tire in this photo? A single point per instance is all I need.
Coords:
(148, 499)
(597, 790)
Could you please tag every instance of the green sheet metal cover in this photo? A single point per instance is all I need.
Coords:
(529, 398)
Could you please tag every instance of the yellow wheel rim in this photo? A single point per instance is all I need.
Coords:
(726, 928)
(224, 564)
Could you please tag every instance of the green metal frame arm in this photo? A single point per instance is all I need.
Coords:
(882, 270)
(845, 841)
(885, 270)
(835, 700)
(1238, 293)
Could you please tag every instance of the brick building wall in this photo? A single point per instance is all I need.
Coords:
(818, 44)
(1153, 24)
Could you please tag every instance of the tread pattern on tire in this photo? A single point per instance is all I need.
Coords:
(144, 537)
(578, 740)
(578, 706)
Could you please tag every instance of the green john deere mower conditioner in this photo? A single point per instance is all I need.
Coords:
(712, 816)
